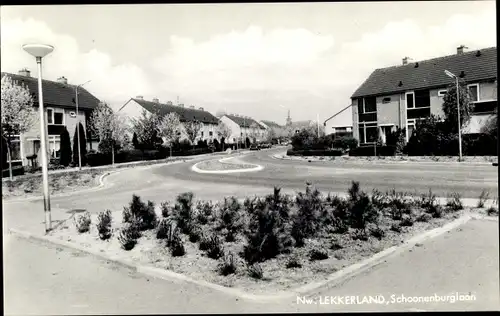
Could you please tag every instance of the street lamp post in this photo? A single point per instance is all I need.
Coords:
(39, 51)
(451, 75)
(78, 126)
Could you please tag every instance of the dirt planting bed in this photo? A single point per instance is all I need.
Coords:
(58, 183)
(261, 246)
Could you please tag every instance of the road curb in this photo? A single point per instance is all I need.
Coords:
(198, 170)
(333, 280)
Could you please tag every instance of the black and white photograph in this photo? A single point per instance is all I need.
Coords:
(233, 158)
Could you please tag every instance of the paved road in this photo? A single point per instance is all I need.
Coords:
(42, 280)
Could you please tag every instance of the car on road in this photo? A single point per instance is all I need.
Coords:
(265, 145)
(254, 147)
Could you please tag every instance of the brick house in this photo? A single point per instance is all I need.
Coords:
(60, 107)
(400, 95)
(133, 108)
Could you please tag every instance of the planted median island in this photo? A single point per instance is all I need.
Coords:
(262, 245)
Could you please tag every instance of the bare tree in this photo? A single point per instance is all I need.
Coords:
(192, 129)
(169, 128)
(18, 115)
(223, 131)
(109, 126)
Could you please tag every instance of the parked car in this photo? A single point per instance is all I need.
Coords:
(265, 145)
(254, 147)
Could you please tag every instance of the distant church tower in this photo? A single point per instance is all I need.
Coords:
(288, 119)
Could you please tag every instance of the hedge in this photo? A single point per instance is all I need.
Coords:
(370, 151)
(314, 152)
(16, 171)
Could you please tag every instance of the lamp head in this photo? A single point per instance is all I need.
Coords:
(38, 50)
(449, 74)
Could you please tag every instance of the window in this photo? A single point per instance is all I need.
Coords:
(386, 100)
(370, 105)
(55, 117)
(474, 92)
(201, 134)
(54, 146)
(15, 148)
(50, 116)
(210, 133)
(422, 99)
(410, 100)
(441, 93)
(410, 127)
(368, 133)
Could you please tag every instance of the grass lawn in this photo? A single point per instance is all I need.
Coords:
(264, 245)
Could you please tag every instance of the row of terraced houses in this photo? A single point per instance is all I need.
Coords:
(389, 98)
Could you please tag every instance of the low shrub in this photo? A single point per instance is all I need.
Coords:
(205, 212)
(363, 212)
(128, 236)
(166, 209)
(227, 266)
(483, 198)
(16, 171)
(314, 152)
(229, 219)
(371, 151)
(104, 225)
(267, 234)
(406, 221)
(424, 217)
(176, 247)
(377, 232)
(255, 271)
(307, 220)
(491, 211)
(82, 222)
(212, 246)
(454, 202)
(183, 212)
(396, 228)
(293, 262)
(143, 214)
(166, 229)
(195, 234)
(318, 254)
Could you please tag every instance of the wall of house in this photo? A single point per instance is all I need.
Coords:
(355, 119)
(487, 91)
(388, 113)
(436, 102)
(34, 132)
(235, 129)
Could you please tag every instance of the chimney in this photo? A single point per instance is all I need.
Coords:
(140, 97)
(62, 80)
(201, 109)
(24, 72)
(156, 100)
(460, 49)
(405, 60)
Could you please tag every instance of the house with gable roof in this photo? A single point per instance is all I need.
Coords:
(60, 108)
(243, 127)
(400, 95)
(134, 107)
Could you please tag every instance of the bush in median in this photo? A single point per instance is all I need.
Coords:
(370, 151)
(314, 152)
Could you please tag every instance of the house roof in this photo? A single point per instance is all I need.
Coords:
(271, 123)
(477, 66)
(303, 123)
(185, 114)
(244, 122)
(57, 94)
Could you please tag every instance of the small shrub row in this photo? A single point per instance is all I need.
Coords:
(314, 152)
(373, 150)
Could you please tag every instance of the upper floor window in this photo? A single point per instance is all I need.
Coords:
(55, 116)
(474, 92)
(386, 100)
(367, 105)
(210, 133)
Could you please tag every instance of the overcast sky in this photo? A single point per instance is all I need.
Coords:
(242, 58)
